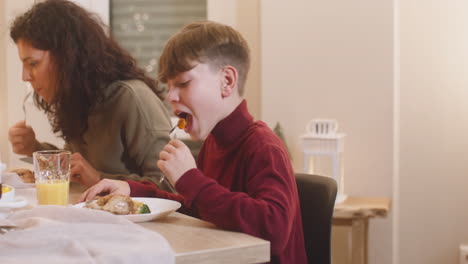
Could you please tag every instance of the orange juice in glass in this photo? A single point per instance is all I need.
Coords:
(52, 173)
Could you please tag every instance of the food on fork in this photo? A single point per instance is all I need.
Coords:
(27, 176)
(182, 123)
(118, 204)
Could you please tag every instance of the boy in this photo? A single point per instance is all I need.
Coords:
(243, 180)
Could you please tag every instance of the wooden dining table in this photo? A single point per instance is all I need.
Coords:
(196, 241)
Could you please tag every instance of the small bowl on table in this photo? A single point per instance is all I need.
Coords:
(8, 194)
(9, 201)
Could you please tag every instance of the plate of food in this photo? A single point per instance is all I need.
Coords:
(135, 209)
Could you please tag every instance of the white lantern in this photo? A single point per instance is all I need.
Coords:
(323, 152)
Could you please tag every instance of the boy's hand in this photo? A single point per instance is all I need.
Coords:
(106, 186)
(175, 159)
(82, 171)
(22, 138)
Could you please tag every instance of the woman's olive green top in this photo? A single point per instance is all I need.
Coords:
(125, 134)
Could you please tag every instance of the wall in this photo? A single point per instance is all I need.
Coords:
(248, 23)
(3, 95)
(222, 11)
(434, 123)
(334, 59)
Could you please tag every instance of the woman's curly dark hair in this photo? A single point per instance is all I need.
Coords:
(86, 59)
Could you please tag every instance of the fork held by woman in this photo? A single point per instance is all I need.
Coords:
(26, 97)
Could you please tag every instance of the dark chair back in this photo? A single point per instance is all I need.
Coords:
(317, 198)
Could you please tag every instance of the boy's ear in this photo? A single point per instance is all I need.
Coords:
(229, 85)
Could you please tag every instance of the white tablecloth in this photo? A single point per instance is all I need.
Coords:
(57, 234)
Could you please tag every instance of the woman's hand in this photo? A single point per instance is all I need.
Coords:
(82, 171)
(175, 159)
(106, 186)
(22, 138)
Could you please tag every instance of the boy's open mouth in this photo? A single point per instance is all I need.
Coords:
(182, 115)
(188, 119)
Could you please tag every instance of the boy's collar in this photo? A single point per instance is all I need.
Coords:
(228, 130)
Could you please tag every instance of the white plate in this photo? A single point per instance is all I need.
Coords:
(16, 202)
(159, 208)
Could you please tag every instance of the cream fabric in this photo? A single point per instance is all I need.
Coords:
(56, 234)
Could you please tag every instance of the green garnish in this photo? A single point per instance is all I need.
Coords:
(144, 209)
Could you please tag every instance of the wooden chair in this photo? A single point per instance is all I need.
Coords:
(317, 198)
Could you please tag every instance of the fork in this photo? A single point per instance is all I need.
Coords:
(26, 97)
(172, 129)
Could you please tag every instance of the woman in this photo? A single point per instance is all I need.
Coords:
(108, 111)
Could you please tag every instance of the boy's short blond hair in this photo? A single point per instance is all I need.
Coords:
(205, 42)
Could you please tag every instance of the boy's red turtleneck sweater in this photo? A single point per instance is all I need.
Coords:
(244, 182)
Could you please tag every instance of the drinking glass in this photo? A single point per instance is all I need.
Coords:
(52, 173)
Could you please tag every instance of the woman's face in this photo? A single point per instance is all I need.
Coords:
(38, 69)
